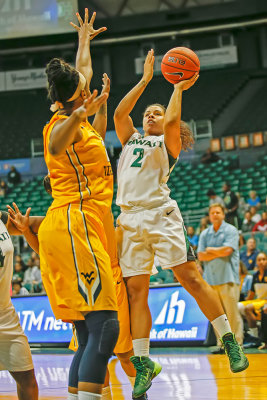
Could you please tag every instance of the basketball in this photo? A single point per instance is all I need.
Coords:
(179, 64)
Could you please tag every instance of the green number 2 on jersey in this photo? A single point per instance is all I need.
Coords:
(138, 161)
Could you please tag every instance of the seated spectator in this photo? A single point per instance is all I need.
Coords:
(209, 157)
(17, 289)
(13, 176)
(36, 276)
(245, 281)
(254, 200)
(19, 259)
(242, 205)
(192, 237)
(247, 224)
(3, 188)
(261, 226)
(257, 296)
(231, 205)
(203, 224)
(255, 216)
(18, 274)
(214, 198)
(28, 275)
(249, 255)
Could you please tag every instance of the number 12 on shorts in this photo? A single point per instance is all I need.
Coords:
(138, 161)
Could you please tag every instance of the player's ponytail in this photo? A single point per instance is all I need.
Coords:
(187, 137)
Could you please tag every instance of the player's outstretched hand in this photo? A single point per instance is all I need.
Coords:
(187, 83)
(149, 66)
(106, 84)
(20, 221)
(91, 105)
(86, 27)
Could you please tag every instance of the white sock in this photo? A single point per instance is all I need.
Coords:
(131, 379)
(106, 393)
(88, 396)
(253, 331)
(72, 396)
(141, 347)
(221, 324)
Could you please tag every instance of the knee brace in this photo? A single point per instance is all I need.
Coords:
(109, 336)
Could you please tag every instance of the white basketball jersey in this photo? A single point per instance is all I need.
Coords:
(6, 266)
(143, 171)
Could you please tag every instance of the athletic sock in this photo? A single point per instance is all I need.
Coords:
(131, 379)
(221, 324)
(72, 396)
(106, 393)
(253, 331)
(141, 347)
(88, 396)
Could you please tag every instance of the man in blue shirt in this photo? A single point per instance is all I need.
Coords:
(249, 255)
(218, 250)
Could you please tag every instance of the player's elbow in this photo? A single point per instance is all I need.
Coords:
(228, 251)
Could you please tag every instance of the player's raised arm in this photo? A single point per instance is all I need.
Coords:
(172, 121)
(100, 120)
(123, 122)
(86, 33)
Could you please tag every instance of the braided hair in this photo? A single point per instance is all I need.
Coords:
(62, 80)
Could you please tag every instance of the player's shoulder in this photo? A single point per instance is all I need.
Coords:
(230, 228)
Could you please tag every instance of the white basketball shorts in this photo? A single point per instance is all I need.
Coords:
(15, 353)
(143, 234)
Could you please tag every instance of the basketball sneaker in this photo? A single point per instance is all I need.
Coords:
(142, 397)
(146, 370)
(237, 358)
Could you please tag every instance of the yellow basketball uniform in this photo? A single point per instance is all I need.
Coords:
(124, 343)
(75, 266)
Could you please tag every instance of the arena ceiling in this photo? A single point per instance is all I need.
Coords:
(112, 8)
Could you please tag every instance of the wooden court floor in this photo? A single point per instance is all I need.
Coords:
(186, 375)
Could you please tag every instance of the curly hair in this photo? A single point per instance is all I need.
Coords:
(62, 80)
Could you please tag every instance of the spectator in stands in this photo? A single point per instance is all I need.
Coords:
(17, 289)
(18, 272)
(249, 255)
(214, 198)
(254, 200)
(255, 217)
(209, 157)
(3, 188)
(245, 281)
(28, 275)
(13, 176)
(204, 223)
(247, 224)
(192, 237)
(231, 205)
(257, 296)
(218, 249)
(242, 205)
(19, 259)
(261, 226)
(36, 276)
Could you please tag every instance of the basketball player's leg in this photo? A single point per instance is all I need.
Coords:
(209, 302)
(138, 289)
(146, 369)
(27, 387)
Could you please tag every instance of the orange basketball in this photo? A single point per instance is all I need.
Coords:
(179, 64)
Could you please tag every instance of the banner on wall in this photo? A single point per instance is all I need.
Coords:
(211, 58)
(25, 79)
(175, 315)
(23, 165)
